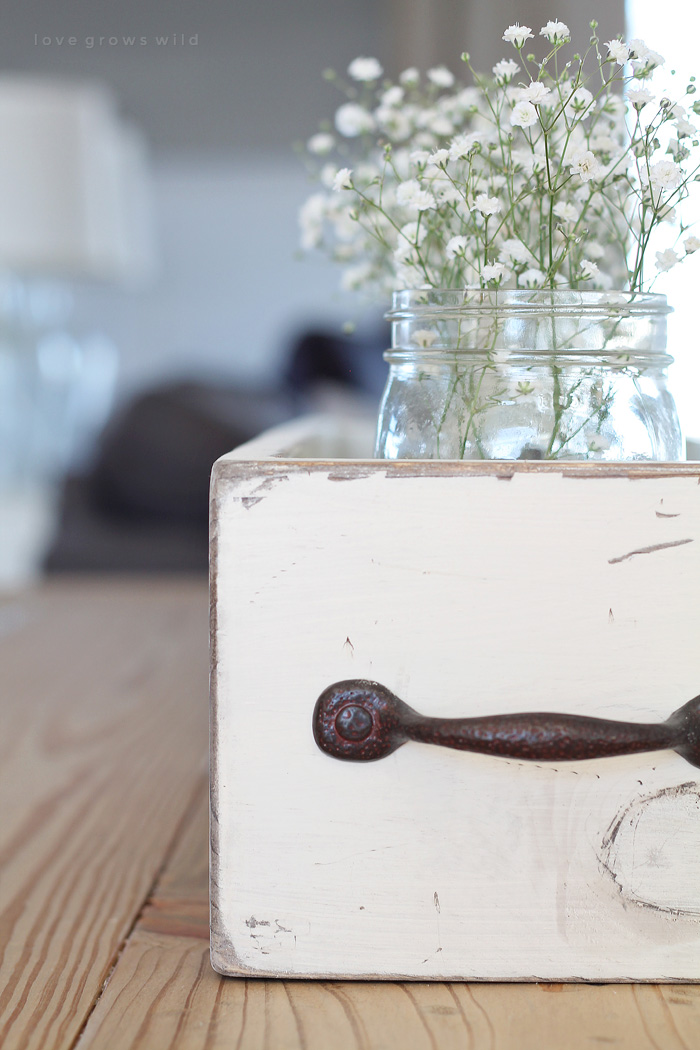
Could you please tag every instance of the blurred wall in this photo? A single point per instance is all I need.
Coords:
(230, 294)
(228, 76)
(222, 90)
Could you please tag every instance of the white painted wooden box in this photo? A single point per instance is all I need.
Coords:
(467, 589)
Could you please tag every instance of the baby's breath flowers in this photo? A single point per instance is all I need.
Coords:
(517, 35)
(556, 171)
(556, 32)
(365, 69)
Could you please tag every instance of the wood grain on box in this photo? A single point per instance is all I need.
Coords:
(469, 589)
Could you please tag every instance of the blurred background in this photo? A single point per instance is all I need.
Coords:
(153, 311)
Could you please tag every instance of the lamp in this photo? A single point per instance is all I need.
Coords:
(74, 206)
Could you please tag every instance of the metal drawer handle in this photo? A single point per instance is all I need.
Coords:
(361, 721)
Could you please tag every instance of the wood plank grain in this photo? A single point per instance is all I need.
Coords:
(164, 994)
(103, 699)
(179, 905)
(186, 874)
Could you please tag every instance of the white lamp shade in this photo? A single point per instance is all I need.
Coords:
(72, 183)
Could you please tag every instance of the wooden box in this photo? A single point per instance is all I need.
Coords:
(467, 589)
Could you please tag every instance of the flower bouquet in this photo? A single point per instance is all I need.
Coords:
(513, 219)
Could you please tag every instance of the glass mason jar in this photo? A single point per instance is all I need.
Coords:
(528, 375)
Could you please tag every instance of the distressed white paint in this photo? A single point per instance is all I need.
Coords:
(465, 593)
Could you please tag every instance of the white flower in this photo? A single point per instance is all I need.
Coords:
(487, 205)
(638, 49)
(420, 225)
(352, 120)
(462, 145)
(639, 97)
(365, 69)
(597, 443)
(342, 180)
(468, 98)
(684, 127)
(393, 96)
(579, 105)
(414, 233)
(524, 160)
(536, 92)
(410, 76)
(366, 174)
(355, 277)
(402, 164)
(588, 269)
(523, 115)
(602, 143)
(456, 246)
(344, 225)
(556, 32)
(311, 216)
(403, 278)
(665, 175)
(394, 122)
(517, 35)
(405, 254)
(565, 212)
(643, 56)
(653, 58)
(320, 144)
(409, 194)
(423, 201)
(327, 175)
(446, 193)
(435, 122)
(531, 278)
(585, 164)
(595, 250)
(513, 250)
(423, 337)
(441, 77)
(666, 260)
(406, 191)
(505, 70)
(618, 51)
(495, 272)
(442, 125)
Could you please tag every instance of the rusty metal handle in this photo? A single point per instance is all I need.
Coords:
(361, 721)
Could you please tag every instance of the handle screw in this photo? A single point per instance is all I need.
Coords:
(353, 722)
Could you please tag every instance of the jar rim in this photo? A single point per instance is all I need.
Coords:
(414, 301)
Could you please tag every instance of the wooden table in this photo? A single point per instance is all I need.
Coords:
(103, 867)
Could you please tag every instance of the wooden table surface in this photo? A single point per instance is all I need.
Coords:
(103, 867)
